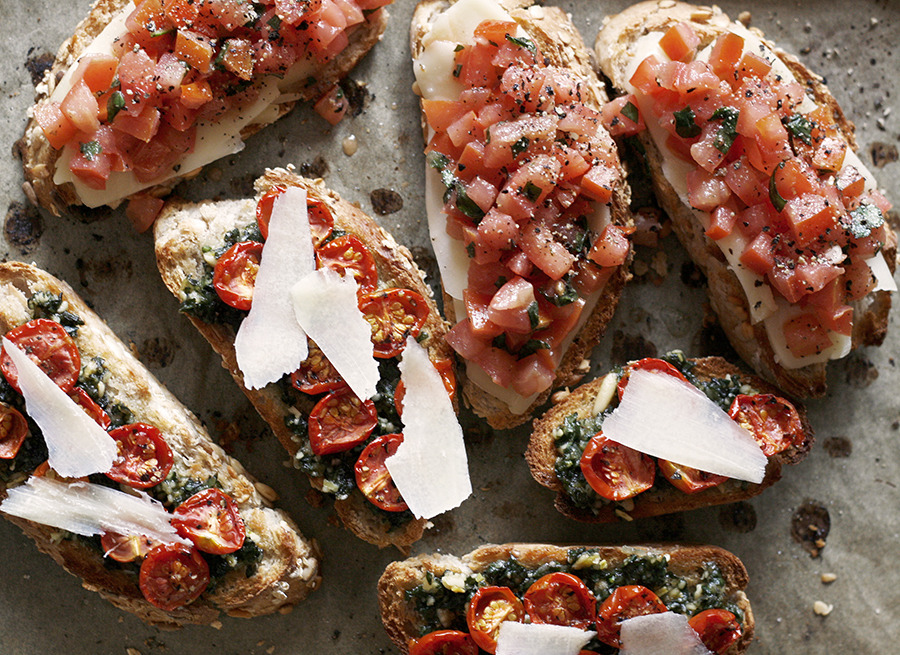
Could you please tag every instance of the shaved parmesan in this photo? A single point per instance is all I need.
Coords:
(76, 444)
(884, 281)
(540, 639)
(430, 467)
(270, 342)
(90, 509)
(326, 306)
(666, 633)
(665, 417)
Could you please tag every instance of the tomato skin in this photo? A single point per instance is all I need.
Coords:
(561, 599)
(614, 471)
(172, 576)
(13, 430)
(347, 254)
(394, 315)
(91, 408)
(689, 480)
(718, 629)
(625, 602)
(316, 374)
(144, 459)
(651, 364)
(49, 346)
(372, 476)
(444, 642)
(212, 521)
(321, 221)
(489, 607)
(235, 274)
(340, 421)
(774, 422)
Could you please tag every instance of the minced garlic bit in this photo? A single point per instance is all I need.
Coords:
(828, 578)
(821, 608)
(455, 582)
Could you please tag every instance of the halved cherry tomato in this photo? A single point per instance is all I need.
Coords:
(561, 599)
(651, 364)
(394, 315)
(448, 377)
(13, 430)
(718, 629)
(172, 576)
(264, 209)
(235, 274)
(49, 346)
(126, 548)
(212, 521)
(316, 374)
(773, 421)
(372, 476)
(340, 421)
(144, 458)
(689, 480)
(614, 471)
(625, 603)
(489, 607)
(444, 642)
(348, 254)
(91, 408)
(43, 470)
(321, 222)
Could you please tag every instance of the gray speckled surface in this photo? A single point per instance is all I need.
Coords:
(44, 610)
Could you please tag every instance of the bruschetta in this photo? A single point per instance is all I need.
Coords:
(146, 93)
(573, 599)
(754, 161)
(598, 479)
(526, 199)
(226, 549)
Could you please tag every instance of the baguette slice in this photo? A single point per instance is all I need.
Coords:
(402, 622)
(557, 38)
(39, 158)
(184, 228)
(289, 567)
(614, 48)
(662, 498)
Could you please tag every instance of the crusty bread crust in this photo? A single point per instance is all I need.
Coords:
(39, 157)
(559, 40)
(183, 228)
(402, 624)
(613, 49)
(664, 498)
(289, 568)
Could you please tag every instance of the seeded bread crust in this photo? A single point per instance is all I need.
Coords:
(663, 498)
(559, 40)
(183, 228)
(289, 569)
(39, 157)
(613, 49)
(402, 623)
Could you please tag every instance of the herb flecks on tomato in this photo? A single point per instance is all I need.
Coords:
(614, 471)
(773, 421)
(212, 521)
(340, 421)
(173, 576)
(144, 459)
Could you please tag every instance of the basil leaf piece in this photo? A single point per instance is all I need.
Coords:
(532, 191)
(727, 133)
(685, 126)
(91, 150)
(437, 160)
(114, 105)
(777, 201)
(522, 42)
(520, 146)
(532, 346)
(800, 127)
(864, 219)
(533, 314)
(631, 112)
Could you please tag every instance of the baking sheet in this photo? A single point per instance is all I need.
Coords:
(852, 472)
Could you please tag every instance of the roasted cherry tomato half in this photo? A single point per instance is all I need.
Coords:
(625, 603)
(444, 642)
(489, 607)
(144, 458)
(172, 576)
(614, 471)
(13, 430)
(340, 421)
(448, 377)
(264, 209)
(92, 409)
(212, 521)
(347, 254)
(689, 480)
(128, 548)
(235, 274)
(321, 221)
(561, 599)
(372, 476)
(773, 421)
(49, 346)
(718, 629)
(651, 364)
(43, 470)
(394, 315)
(316, 374)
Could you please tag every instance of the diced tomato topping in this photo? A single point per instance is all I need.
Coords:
(725, 54)
(850, 183)
(143, 126)
(142, 210)
(752, 65)
(830, 154)
(611, 248)
(805, 335)
(759, 255)
(97, 70)
(680, 42)
(721, 222)
(810, 217)
(55, 124)
(706, 191)
(81, 108)
(644, 77)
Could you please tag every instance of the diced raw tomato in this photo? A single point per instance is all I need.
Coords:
(236, 56)
(850, 183)
(196, 94)
(464, 129)
(580, 119)
(616, 122)
(332, 14)
(644, 77)
(750, 114)
(181, 13)
(482, 193)
(538, 243)
(153, 159)
(477, 66)
(721, 222)
(179, 116)
(92, 170)
(536, 178)
(611, 247)
(195, 49)
(474, 97)
(759, 255)
(680, 42)
(487, 278)
(461, 338)
(562, 87)
(877, 198)
(815, 273)
(441, 114)
(510, 54)
(477, 312)
(143, 126)
(137, 76)
(441, 143)
(679, 147)
(809, 217)
(574, 165)
(725, 54)
(272, 57)
(705, 191)
(599, 182)
(147, 19)
(333, 105)
(169, 72)
(509, 306)
(55, 125)
(525, 129)
(495, 30)
(784, 280)
(753, 219)
(766, 161)
(142, 210)
(704, 150)
(368, 5)
(523, 86)
(471, 161)
(498, 364)
(519, 264)
(829, 154)
(795, 179)
(805, 335)
(533, 374)
(81, 108)
(858, 280)
(828, 305)
(745, 181)
(696, 75)
(492, 114)
(97, 70)
(773, 137)
(293, 12)
(752, 65)
(353, 15)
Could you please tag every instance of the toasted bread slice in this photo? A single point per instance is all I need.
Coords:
(397, 599)
(662, 498)
(287, 569)
(555, 35)
(183, 229)
(614, 49)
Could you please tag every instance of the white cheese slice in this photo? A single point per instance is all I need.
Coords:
(459, 20)
(433, 69)
(666, 633)
(884, 281)
(541, 639)
(326, 306)
(90, 509)
(270, 342)
(841, 344)
(430, 467)
(76, 444)
(665, 417)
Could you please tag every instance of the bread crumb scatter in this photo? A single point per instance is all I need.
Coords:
(828, 578)
(821, 608)
(744, 18)
(217, 625)
(350, 145)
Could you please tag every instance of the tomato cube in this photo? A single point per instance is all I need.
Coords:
(97, 70)
(850, 183)
(644, 77)
(196, 94)
(195, 49)
(619, 115)
(721, 222)
(55, 125)
(746, 182)
(142, 210)
(81, 108)
(498, 364)
(810, 217)
(495, 31)
(752, 65)
(539, 244)
(332, 106)
(680, 42)
(441, 114)
(725, 54)
(805, 335)
(794, 178)
(143, 126)
(611, 247)
(704, 150)
(497, 230)
(829, 154)
(465, 129)
(759, 256)
(858, 280)
(598, 183)
(706, 191)
(92, 169)
(464, 341)
(533, 374)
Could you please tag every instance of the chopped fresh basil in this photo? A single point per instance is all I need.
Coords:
(459, 47)
(685, 125)
(799, 127)
(777, 201)
(532, 346)
(114, 105)
(522, 42)
(532, 191)
(274, 22)
(727, 133)
(470, 250)
(457, 70)
(864, 219)
(161, 32)
(91, 149)
(437, 160)
(534, 314)
(631, 112)
(455, 187)
(520, 146)
(561, 293)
